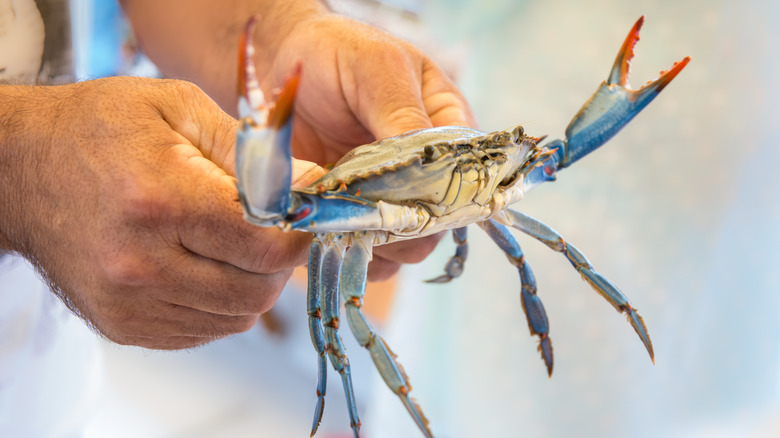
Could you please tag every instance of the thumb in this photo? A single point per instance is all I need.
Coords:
(397, 112)
(389, 95)
(305, 172)
(196, 117)
(203, 123)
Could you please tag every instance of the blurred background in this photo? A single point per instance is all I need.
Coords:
(680, 210)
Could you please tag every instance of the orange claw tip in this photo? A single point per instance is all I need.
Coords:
(668, 75)
(245, 52)
(284, 102)
(622, 65)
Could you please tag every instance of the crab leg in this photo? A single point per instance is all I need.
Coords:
(454, 266)
(263, 155)
(532, 304)
(353, 286)
(598, 282)
(610, 108)
(331, 306)
(314, 311)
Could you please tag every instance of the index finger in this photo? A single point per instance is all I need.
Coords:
(211, 223)
(217, 229)
(443, 101)
(385, 91)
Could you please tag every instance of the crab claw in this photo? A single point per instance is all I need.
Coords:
(263, 154)
(612, 105)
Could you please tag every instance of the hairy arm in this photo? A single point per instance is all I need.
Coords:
(15, 102)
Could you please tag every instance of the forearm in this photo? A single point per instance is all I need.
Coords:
(17, 115)
(197, 40)
(8, 165)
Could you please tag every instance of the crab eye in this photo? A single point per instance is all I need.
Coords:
(517, 133)
(299, 214)
(430, 153)
(550, 170)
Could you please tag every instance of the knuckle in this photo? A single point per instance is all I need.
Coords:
(259, 303)
(125, 269)
(185, 89)
(254, 307)
(410, 251)
(393, 52)
(121, 339)
(394, 55)
(145, 203)
(282, 253)
(250, 298)
(245, 323)
(424, 247)
(116, 331)
(187, 92)
(380, 269)
(406, 118)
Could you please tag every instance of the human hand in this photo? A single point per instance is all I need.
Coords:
(360, 84)
(121, 191)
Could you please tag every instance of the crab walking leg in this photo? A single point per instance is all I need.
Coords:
(454, 266)
(598, 282)
(532, 304)
(314, 310)
(353, 286)
(331, 305)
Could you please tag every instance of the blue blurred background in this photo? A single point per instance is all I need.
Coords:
(680, 210)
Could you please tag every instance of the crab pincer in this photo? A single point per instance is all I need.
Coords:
(613, 105)
(263, 153)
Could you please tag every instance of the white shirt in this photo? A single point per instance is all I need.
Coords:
(49, 359)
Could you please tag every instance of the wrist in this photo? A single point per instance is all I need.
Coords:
(24, 111)
(12, 101)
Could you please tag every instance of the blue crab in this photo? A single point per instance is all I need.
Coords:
(413, 185)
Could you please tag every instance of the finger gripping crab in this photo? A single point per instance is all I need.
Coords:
(413, 185)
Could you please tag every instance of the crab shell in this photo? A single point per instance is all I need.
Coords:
(420, 182)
